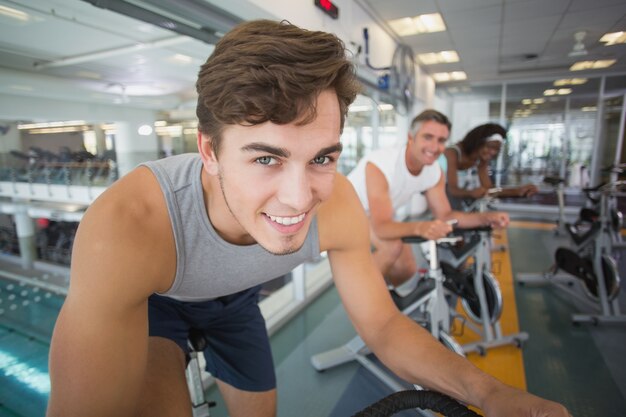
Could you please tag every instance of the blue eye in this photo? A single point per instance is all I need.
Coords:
(323, 160)
(265, 160)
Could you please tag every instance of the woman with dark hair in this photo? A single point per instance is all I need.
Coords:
(468, 163)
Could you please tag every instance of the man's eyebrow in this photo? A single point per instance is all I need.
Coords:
(262, 147)
(330, 149)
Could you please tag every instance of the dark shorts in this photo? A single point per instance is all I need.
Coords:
(238, 350)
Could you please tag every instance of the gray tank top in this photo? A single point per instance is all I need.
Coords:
(206, 265)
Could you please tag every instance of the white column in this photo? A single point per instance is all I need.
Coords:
(25, 228)
(131, 148)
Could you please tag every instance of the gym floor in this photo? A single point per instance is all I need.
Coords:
(584, 367)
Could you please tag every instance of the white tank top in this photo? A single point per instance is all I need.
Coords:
(402, 184)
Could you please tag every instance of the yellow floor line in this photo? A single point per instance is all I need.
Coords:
(532, 225)
(505, 362)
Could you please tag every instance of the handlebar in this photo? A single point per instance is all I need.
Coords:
(427, 400)
(420, 239)
(454, 237)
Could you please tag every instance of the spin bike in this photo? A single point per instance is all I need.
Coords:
(479, 290)
(427, 304)
(407, 400)
(199, 404)
(591, 263)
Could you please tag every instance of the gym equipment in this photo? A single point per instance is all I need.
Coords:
(193, 372)
(410, 399)
(479, 290)
(427, 305)
(591, 263)
(558, 184)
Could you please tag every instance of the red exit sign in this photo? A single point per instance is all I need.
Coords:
(328, 7)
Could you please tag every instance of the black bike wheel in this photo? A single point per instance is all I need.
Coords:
(471, 305)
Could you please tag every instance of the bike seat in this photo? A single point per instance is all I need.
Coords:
(580, 238)
(197, 339)
(423, 287)
(588, 215)
(554, 181)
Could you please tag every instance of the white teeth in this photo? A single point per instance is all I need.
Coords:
(287, 221)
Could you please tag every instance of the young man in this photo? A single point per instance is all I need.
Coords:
(184, 241)
(387, 179)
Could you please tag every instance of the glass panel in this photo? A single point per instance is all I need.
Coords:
(538, 142)
(613, 109)
(359, 137)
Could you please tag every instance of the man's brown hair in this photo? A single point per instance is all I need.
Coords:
(271, 71)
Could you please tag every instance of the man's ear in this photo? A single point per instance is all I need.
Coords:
(209, 159)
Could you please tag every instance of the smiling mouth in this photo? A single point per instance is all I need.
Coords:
(287, 221)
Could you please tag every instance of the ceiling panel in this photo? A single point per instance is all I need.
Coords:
(395, 9)
(532, 9)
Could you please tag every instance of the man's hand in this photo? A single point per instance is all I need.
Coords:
(512, 402)
(432, 230)
(479, 192)
(497, 219)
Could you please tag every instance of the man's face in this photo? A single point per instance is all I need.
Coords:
(274, 177)
(429, 142)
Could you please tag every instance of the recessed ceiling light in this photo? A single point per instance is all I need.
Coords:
(613, 38)
(569, 81)
(442, 57)
(585, 65)
(89, 74)
(180, 59)
(449, 76)
(425, 23)
(14, 14)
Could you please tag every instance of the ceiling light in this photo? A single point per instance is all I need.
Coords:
(613, 38)
(549, 92)
(589, 108)
(442, 57)
(425, 23)
(14, 14)
(89, 74)
(145, 130)
(569, 81)
(539, 100)
(181, 59)
(359, 108)
(449, 76)
(564, 91)
(527, 101)
(585, 65)
(51, 124)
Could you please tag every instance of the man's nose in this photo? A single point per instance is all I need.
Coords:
(296, 190)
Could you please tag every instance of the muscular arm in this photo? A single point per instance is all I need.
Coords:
(404, 346)
(382, 211)
(99, 345)
(440, 208)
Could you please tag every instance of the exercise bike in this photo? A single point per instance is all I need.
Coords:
(479, 291)
(199, 403)
(591, 263)
(427, 304)
(411, 399)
